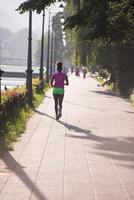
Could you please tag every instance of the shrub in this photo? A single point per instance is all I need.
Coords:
(14, 113)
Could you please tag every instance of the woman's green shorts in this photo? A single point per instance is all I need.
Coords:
(57, 90)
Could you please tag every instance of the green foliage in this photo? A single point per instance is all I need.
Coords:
(15, 112)
(132, 98)
(118, 60)
(37, 5)
(104, 58)
(101, 31)
(124, 68)
(38, 50)
(13, 127)
(101, 19)
(112, 21)
(58, 38)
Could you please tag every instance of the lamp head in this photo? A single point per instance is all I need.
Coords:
(61, 7)
(1, 72)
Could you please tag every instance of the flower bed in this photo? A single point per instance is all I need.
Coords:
(14, 113)
(12, 100)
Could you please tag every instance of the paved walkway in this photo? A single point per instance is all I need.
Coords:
(87, 155)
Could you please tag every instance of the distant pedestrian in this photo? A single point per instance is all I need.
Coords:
(77, 71)
(84, 70)
(59, 79)
(5, 88)
(72, 69)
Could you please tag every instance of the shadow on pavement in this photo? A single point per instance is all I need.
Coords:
(107, 92)
(42, 113)
(129, 112)
(111, 94)
(89, 136)
(71, 127)
(120, 149)
(117, 149)
(16, 168)
(49, 97)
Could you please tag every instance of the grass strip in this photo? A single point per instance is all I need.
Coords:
(15, 125)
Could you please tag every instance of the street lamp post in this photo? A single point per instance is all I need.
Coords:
(61, 7)
(42, 53)
(29, 62)
(1, 72)
(48, 50)
(52, 51)
(48, 46)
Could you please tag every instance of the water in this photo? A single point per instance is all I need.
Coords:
(13, 82)
(12, 68)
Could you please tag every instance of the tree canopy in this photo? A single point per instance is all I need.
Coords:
(100, 33)
(37, 5)
(109, 20)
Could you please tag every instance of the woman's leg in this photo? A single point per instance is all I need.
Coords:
(56, 103)
(61, 96)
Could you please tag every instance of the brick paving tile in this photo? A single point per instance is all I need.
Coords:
(87, 155)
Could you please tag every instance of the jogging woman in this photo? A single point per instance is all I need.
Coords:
(58, 81)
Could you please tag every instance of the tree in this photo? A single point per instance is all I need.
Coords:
(107, 27)
(5, 36)
(38, 50)
(102, 19)
(93, 24)
(58, 38)
(37, 5)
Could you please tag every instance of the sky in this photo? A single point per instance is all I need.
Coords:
(21, 20)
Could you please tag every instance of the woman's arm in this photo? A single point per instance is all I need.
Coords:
(67, 82)
(52, 81)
